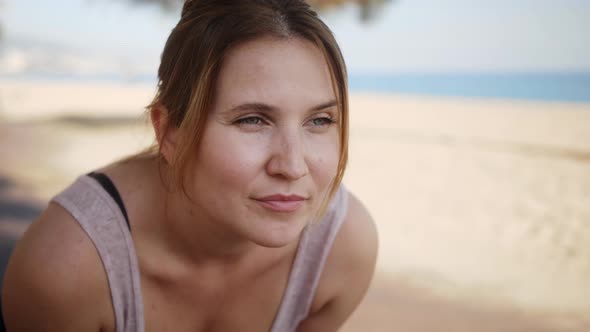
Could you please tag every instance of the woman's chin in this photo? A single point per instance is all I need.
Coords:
(278, 234)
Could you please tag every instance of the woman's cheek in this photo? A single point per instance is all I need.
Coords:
(234, 158)
(247, 161)
(326, 155)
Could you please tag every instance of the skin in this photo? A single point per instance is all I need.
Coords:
(219, 260)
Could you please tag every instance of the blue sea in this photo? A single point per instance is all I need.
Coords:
(568, 87)
(562, 87)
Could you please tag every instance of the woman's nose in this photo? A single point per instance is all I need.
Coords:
(288, 157)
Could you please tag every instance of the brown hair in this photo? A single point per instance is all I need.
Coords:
(194, 52)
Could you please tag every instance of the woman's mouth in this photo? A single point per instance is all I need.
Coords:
(281, 203)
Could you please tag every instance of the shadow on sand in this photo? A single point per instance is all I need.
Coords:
(17, 212)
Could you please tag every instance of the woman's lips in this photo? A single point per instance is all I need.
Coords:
(281, 203)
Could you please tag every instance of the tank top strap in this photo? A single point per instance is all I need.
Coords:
(101, 218)
(312, 252)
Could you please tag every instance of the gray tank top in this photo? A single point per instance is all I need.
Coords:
(103, 221)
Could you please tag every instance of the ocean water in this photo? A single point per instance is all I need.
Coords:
(568, 87)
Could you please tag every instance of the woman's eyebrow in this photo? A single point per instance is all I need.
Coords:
(258, 107)
(265, 108)
(325, 105)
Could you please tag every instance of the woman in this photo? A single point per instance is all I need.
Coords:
(236, 220)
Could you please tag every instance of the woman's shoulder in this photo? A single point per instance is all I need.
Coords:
(135, 178)
(354, 251)
(348, 270)
(357, 240)
(55, 279)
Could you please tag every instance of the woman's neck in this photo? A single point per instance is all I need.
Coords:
(182, 230)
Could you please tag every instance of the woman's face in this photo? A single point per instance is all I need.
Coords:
(270, 148)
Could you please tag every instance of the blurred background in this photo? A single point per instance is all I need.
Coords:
(470, 142)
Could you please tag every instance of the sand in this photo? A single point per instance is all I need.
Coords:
(483, 207)
(486, 202)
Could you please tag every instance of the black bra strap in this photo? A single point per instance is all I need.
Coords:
(110, 188)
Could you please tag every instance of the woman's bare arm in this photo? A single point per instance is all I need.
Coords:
(55, 280)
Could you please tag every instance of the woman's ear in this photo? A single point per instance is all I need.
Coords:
(166, 132)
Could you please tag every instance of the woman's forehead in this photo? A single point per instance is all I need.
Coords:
(274, 71)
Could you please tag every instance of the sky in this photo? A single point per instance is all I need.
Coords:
(107, 36)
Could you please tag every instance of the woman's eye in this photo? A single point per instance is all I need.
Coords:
(251, 120)
(320, 122)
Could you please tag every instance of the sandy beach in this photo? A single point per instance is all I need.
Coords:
(483, 206)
